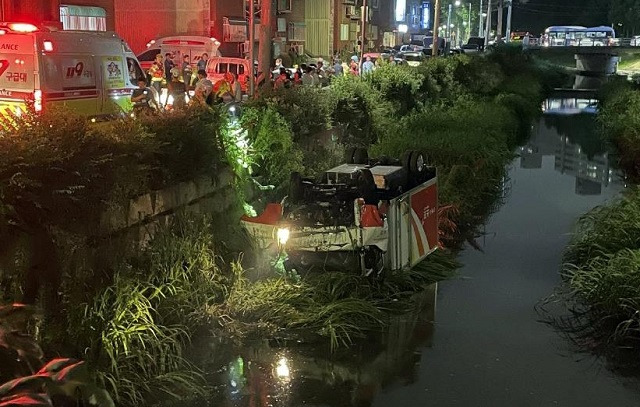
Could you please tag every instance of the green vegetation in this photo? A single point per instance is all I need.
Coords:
(620, 119)
(602, 262)
(132, 314)
(602, 267)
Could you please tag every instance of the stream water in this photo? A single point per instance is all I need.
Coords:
(484, 343)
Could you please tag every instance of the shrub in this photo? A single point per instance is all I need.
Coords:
(397, 85)
(620, 119)
(361, 109)
(271, 143)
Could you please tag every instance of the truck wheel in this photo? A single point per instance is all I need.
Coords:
(406, 160)
(367, 187)
(417, 162)
(360, 156)
(348, 155)
(296, 191)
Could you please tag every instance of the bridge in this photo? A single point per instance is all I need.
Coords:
(590, 56)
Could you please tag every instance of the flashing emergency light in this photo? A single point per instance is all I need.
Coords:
(22, 27)
(37, 100)
(48, 46)
(3, 32)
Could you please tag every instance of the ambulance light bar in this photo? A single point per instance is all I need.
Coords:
(22, 27)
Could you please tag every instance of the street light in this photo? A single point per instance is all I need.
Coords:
(457, 3)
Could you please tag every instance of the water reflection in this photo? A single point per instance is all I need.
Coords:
(567, 131)
(270, 375)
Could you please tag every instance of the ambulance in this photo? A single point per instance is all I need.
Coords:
(92, 73)
(180, 45)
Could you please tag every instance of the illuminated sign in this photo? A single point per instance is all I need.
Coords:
(426, 15)
(401, 9)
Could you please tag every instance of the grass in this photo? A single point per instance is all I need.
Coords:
(339, 306)
(602, 269)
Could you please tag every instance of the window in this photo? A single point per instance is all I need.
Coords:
(296, 31)
(354, 29)
(234, 30)
(344, 32)
(148, 55)
(240, 69)
(233, 68)
(373, 32)
(135, 71)
(83, 18)
(284, 6)
(223, 68)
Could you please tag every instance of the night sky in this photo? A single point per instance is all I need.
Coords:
(535, 15)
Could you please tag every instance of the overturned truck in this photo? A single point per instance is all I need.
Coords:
(366, 214)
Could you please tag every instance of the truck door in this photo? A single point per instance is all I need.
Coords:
(17, 71)
(115, 89)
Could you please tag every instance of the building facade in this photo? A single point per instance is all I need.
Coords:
(320, 28)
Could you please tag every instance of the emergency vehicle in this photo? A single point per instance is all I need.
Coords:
(367, 215)
(180, 45)
(93, 73)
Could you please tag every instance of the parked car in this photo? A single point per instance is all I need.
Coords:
(473, 45)
(367, 215)
(218, 66)
(413, 58)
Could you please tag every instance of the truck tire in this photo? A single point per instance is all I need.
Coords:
(296, 190)
(348, 155)
(406, 160)
(367, 187)
(417, 162)
(360, 156)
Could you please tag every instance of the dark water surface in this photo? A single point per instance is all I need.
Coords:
(486, 346)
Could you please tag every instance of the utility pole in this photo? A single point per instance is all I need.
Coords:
(252, 47)
(436, 28)
(500, 10)
(487, 31)
(363, 27)
(449, 23)
(469, 23)
(480, 21)
(264, 65)
(509, 13)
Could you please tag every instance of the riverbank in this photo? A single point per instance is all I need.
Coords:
(601, 261)
(467, 114)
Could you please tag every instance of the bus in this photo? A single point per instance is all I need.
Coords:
(570, 35)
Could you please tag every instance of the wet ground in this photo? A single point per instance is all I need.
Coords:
(478, 340)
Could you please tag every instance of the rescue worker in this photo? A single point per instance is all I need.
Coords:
(202, 63)
(187, 71)
(236, 88)
(156, 72)
(204, 87)
(222, 88)
(142, 98)
(168, 66)
(177, 90)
